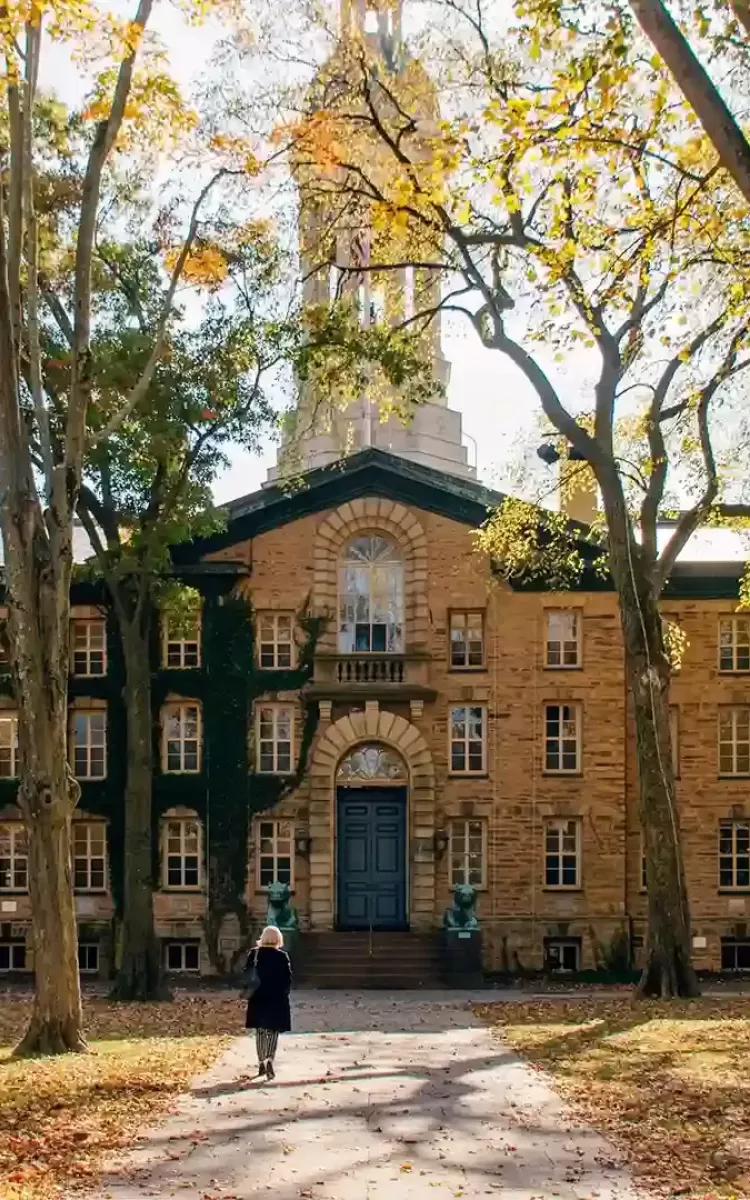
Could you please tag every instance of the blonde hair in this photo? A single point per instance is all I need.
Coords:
(271, 936)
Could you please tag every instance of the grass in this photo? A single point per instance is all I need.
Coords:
(668, 1082)
(60, 1117)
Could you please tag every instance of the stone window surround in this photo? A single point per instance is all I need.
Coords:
(560, 824)
(453, 823)
(267, 619)
(89, 647)
(467, 770)
(276, 707)
(389, 519)
(18, 858)
(168, 709)
(730, 717)
(561, 642)
(577, 707)
(9, 716)
(735, 857)
(275, 821)
(731, 623)
(454, 623)
(92, 828)
(183, 816)
(181, 646)
(88, 709)
(373, 725)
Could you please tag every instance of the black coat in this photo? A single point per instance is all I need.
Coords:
(268, 1007)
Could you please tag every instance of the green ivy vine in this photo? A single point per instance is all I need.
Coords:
(226, 793)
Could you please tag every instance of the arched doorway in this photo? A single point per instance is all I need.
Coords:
(371, 839)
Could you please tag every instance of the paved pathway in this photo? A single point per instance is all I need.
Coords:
(377, 1097)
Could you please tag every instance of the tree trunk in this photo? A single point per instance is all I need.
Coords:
(668, 970)
(56, 1021)
(48, 794)
(140, 976)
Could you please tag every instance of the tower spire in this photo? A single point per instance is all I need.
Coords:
(377, 20)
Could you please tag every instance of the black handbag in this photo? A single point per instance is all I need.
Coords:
(251, 981)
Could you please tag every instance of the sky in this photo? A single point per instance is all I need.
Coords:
(498, 407)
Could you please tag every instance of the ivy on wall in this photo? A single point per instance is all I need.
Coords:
(226, 793)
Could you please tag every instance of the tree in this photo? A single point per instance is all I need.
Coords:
(147, 487)
(568, 203)
(42, 444)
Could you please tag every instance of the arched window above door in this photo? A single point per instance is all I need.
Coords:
(371, 597)
(371, 762)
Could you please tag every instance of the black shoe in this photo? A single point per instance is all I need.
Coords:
(261, 1069)
(270, 1073)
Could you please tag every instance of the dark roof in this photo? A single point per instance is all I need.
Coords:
(370, 472)
(374, 472)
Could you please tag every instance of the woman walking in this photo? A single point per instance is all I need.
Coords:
(268, 1009)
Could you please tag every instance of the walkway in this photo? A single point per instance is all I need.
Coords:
(376, 1098)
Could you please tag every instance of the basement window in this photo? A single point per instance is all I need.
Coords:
(12, 956)
(182, 957)
(88, 958)
(735, 954)
(562, 954)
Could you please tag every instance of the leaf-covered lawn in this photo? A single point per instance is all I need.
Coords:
(670, 1082)
(60, 1117)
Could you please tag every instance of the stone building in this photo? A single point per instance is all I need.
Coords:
(364, 713)
(433, 727)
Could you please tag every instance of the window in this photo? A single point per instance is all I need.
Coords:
(734, 741)
(467, 740)
(644, 877)
(8, 745)
(182, 647)
(371, 597)
(14, 858)
(275, 853)
(88, 958)
(89, 744)
(561, 954)
(89, 646)
(12, 956)
(562, 853)
(734, 854)
(89, 856)
(467, 640)
(468, 853)
(276, 638)
(182, 853)
(674, 738)
(734, 644)
(563, 638)
(182, 956)
(735, 955)
(562, 738)
(4, 647)
(181, 732)
(275, 723)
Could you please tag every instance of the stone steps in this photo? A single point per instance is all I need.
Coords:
(390, 961)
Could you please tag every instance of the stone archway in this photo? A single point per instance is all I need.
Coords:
(396, 732)
(392, 520)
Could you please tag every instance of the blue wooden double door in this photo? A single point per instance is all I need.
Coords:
(371, 858)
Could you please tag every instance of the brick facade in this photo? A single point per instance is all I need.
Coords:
(524, 811)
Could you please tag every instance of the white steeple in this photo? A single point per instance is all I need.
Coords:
(432, 436)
